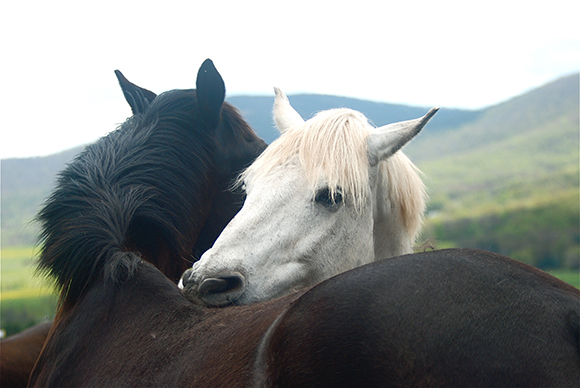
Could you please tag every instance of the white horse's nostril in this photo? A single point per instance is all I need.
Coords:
(224, 284)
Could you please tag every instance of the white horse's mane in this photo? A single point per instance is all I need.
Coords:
(332, 147)
(406, 189)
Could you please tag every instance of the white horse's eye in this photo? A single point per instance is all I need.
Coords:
(325, 198)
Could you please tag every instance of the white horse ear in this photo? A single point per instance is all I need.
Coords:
(385, 141)
(284, 115)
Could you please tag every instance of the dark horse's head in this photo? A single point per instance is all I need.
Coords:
(158, 188)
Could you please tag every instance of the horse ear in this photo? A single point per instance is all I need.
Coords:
(137, 97)
(284, 115)
(211, 92)
(385, 141)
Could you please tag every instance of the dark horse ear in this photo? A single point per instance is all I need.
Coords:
(137, 97)
(211, 92)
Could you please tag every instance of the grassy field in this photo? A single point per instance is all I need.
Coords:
(18, 278)
(569, 276)
(27, 299)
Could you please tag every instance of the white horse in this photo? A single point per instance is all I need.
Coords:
(332, 193)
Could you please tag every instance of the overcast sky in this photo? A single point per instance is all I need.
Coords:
(59, 89)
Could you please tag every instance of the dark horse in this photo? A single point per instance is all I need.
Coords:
(158, 188)
(452, 318)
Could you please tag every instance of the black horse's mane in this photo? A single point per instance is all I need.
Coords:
(140, 189)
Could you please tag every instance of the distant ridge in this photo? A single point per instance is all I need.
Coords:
(519, 115)
(258, 111)
(36, 172)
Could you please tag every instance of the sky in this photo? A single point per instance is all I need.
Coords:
(58, 57)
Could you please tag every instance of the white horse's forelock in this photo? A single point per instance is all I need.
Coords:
(343, 165)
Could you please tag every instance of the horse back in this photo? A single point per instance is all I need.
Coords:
(442, 318)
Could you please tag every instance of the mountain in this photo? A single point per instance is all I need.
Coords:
(504, 178)
(258, 112)
(25, 184)
(524, 141)
(509, 180)
(520, 115)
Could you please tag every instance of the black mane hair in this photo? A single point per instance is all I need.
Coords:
(149, 190)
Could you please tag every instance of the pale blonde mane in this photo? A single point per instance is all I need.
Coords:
(407, 190)
(332, 147)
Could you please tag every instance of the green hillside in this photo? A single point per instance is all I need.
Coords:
(509, 181)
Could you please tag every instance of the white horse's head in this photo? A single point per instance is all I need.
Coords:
(330, 194)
